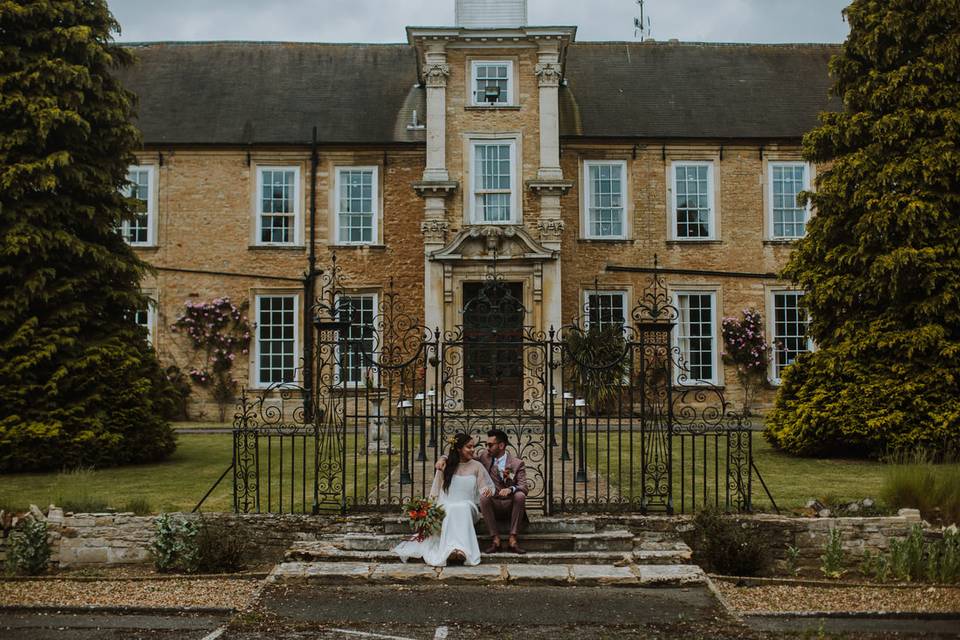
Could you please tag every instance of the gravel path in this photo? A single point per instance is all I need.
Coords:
(799, 598)
(186, 592)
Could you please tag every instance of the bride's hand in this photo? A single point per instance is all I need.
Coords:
(441, 464)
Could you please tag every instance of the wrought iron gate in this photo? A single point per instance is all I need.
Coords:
(602, 412)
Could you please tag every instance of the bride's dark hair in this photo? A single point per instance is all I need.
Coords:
(460, 440)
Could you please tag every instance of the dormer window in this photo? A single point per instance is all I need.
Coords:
(489, 74)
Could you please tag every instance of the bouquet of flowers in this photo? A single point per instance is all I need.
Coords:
(426, 517)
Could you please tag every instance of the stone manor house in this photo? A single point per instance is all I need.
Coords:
(574, 166)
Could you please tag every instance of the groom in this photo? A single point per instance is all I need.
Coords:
(509, 500)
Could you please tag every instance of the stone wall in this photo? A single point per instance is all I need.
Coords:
(105, 539)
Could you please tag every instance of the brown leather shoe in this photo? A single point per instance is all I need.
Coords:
(493, 548)
(516, 549)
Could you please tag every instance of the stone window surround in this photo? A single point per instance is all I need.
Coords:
(152, 201)
(770, 329)
(255, 295)
(513, 84)
(623, 290)
(715, 290)
(516, 139)
(151, 315)
(336, 166)
(266, 164)
(373, 292)
(772, 158)
(627, 194)
(713, 190)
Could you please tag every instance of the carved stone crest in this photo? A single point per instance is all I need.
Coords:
(435, 75)
(434, 230)
(548, 73)
(550, 230)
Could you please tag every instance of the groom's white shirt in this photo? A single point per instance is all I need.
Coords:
(501, 463)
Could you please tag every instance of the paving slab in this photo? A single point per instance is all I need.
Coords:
(600, 575)
(540, 574)
(652, 575)
(328, 571)
(484, 573)
(399, 572)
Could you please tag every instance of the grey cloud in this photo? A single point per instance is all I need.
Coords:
(384, 20)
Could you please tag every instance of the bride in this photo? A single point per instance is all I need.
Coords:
(458, 488)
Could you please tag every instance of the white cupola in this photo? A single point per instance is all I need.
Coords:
(491, 14)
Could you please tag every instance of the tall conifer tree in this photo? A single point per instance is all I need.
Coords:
(881, 261)
(79, 384)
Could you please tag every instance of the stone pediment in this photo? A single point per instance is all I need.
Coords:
(487, 242)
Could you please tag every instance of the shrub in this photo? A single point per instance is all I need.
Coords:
(831, 562)
(934, 489)
(182, 390)
(726, 546)
(745, 348)
(221, 547)
(917, 558)
(205, 546)
(218, 332)
(174, 547)
(29, 549)
(598, 363)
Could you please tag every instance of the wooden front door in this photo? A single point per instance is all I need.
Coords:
(493, 345)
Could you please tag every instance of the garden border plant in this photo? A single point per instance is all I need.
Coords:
(29, 550)
(746, 348)
(218, 332)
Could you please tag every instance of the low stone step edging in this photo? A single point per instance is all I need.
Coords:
(877, 615)
(117, 610)
(522, 574)
(757, 581)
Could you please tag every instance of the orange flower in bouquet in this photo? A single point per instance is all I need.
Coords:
(425, 517)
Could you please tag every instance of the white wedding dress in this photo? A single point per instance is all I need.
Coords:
(461, 503)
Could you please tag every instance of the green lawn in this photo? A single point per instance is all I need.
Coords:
(178, 483)
(791, 480)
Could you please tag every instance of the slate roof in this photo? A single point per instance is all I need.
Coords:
(695, 90)
(274, 93)
(225, 93)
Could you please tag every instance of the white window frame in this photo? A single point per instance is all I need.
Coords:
(339, 373)
(151, 207)
(586, 225)
(375, 201)
(711, 200)
(624, 296)
(255, 369)
(509, 102)
(772, 330)
(151, 325)
(771, 226)
(474, 217)
(714, 333)
(295, 235)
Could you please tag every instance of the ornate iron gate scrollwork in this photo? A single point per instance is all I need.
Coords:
(605, 420)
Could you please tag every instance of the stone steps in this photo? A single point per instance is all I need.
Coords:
(488, 573)
(639, 556)
(543, 525)
(608, 547)
(610, 541)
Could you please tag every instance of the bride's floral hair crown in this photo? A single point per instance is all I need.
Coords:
(457, 440)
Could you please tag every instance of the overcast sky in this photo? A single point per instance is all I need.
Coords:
(384, 20)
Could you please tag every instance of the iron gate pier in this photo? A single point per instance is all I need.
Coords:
(602, 410)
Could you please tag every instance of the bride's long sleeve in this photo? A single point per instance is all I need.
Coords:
(485, 486)
(437, 485)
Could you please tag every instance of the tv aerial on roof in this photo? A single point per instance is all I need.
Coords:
(641, 24)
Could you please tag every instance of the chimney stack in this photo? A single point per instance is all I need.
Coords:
(491, 14)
